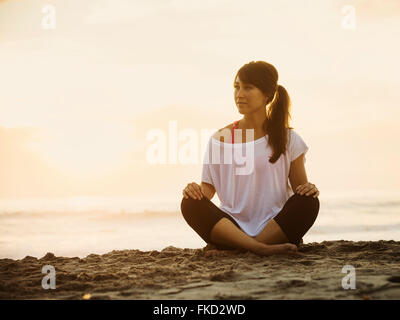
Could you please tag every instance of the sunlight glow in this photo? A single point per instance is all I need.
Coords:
(85, 148)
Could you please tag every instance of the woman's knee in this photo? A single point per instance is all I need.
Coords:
(308, 200)
(309, 204)
(186, 204)
(190, 206)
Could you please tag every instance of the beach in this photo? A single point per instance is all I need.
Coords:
(117, 249)
(187, 273)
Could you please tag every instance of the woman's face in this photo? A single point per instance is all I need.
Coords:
(248, 98)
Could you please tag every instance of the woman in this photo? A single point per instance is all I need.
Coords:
(259, 211)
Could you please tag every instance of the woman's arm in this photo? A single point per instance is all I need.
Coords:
(298, 178)
(297, 173)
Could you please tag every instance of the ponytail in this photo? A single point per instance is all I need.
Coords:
(277, 123)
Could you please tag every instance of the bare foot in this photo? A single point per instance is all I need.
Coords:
(267, 250)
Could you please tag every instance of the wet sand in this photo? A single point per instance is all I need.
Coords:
(176, 273)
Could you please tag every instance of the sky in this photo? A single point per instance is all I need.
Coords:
(84, 84)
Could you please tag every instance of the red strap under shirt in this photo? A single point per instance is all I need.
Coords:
(235, 126)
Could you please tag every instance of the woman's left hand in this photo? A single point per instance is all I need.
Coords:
(307, 189)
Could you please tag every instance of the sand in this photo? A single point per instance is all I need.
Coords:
(175, 273)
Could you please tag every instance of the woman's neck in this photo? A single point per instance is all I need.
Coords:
(251, 122)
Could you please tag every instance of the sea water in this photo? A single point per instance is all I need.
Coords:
(78, 226)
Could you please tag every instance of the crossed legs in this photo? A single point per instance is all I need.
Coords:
(281, 234)
(226, 233)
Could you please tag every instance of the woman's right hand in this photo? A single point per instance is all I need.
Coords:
(192, 190)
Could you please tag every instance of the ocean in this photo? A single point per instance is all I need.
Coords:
(79, 226)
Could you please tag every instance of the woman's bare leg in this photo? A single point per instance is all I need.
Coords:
(226, 233)
(272, 234)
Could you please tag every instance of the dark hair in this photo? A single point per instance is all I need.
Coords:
(265, 77)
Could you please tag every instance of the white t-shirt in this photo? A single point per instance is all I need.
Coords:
(251, 189)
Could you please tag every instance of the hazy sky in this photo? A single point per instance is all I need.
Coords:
(77, 101)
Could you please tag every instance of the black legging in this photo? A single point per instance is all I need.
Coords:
(295, 219)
